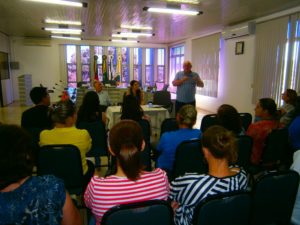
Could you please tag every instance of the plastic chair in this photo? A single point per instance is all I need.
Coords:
(99, 141)
(153, 212)
(274, 194)
(169, 124)
(246, 119)
(146, 153)
(244, 151)
(163, 98)
(189, 159)
(62, 161)
(207, 121)
(232, 208)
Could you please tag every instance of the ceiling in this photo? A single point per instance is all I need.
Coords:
(103, 17)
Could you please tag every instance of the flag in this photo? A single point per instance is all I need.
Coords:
(95, 68)
(104, 69)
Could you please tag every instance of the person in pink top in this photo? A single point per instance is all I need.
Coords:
(265, 110)
(130, 183)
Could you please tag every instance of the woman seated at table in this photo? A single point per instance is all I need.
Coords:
(26, 199)
(131, 109)
(135, 91)
(64, 132)
(130, 183)
(219, 149)
(90, 110)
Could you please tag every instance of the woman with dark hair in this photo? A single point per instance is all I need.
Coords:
(130, 183)
(135, 91)
(26, 199)
(289, 98)
(219, 149)
(90, 110)
(266, 110)
(131, 109)
(64, 132)
(229, 118)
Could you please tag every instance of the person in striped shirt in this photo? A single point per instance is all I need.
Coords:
(219, 149)
(130, 183)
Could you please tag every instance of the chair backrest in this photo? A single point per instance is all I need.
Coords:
(232, 208)
(169, 124)
(62, 161)
(207, 121)
(153, 212)
(244, 151)
(162, 98)
(146, 153)
(274, 195)
(246, 119)
(276, 146)
(189, 158)
(99, 138)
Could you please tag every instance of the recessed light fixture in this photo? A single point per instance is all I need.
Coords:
(173, 11)
(124, 40)
(63, 30)
(60, 2)
(185, 1)
(139, 27)
(66, 37)
(132, 34)
(69, 22)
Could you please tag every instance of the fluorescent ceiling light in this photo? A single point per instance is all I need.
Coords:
(63, 31)
(60, 2)
(77, 23)
(122, 40)
(136, 27)
(185, 1)
(173, 11)
(69, 38)
(132, 35)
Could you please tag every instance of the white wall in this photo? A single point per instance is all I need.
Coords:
(6, 84)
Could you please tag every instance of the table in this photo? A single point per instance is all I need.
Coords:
(157, 115)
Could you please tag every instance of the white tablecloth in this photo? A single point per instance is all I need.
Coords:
(157, 115)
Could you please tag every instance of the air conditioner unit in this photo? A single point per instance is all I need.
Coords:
(37, 42)
(239, 30)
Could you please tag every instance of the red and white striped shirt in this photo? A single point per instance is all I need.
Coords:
(104, 193)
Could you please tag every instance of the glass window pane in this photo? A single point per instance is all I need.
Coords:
(160, 73)
(85, 71)
(71, 71)
(85, 54)
(71, 54)
(98, 51)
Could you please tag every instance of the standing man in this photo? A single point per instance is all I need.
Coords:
(186, 82)
(103, 95)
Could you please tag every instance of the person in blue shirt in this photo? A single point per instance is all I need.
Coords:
(186, 119)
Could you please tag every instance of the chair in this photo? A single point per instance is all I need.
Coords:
(246, 119)
(207, 121)
(189, 158)
(169, 124)
(62, 161)
(34, 133)
(274, 195)
(99, 141)
(245, 148)
(163, 98)
(146, 153)
(231, 208)
(153, 212)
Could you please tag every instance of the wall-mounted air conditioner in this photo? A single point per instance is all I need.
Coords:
(239, 30)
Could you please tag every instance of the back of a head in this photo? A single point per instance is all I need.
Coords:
(37, 94)
(292, 95)
(187, 115)
(131, 109)
(62, 110)
(126, 141)
(269, 105)
(229, 118)
(220, 142)
(16, 160)
(89, 107)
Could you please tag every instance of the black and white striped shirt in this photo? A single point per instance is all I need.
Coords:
(190, 189)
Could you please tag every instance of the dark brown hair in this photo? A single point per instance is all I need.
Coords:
(292, 95)
(62, 110)
(229, 118)
(220, 142)
(125, 140)
(269, 105)
(16, 161)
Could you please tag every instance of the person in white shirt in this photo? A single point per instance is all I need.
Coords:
(103, 95)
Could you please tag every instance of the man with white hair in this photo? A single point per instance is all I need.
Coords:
(186, 82)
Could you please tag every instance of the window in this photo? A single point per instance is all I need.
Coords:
(98, 51)
(149, 72)
(137, 64)
(125, 65)
(85, 63)
(71, 66)
(161, 65)
(111, 62)
(176, 61)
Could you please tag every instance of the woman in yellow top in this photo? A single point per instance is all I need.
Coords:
(64, 132)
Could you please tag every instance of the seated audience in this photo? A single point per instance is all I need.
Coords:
(64, 132)
(90, 111)
(186, 119)
(294, 129)
(131, 109)
(295, 220)
(103, 95)
(130, 183)
(289, 98)
(229, 118)
(266, 110)
(135, 91)
(219, 149)
(26, 199)
(39, 115)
